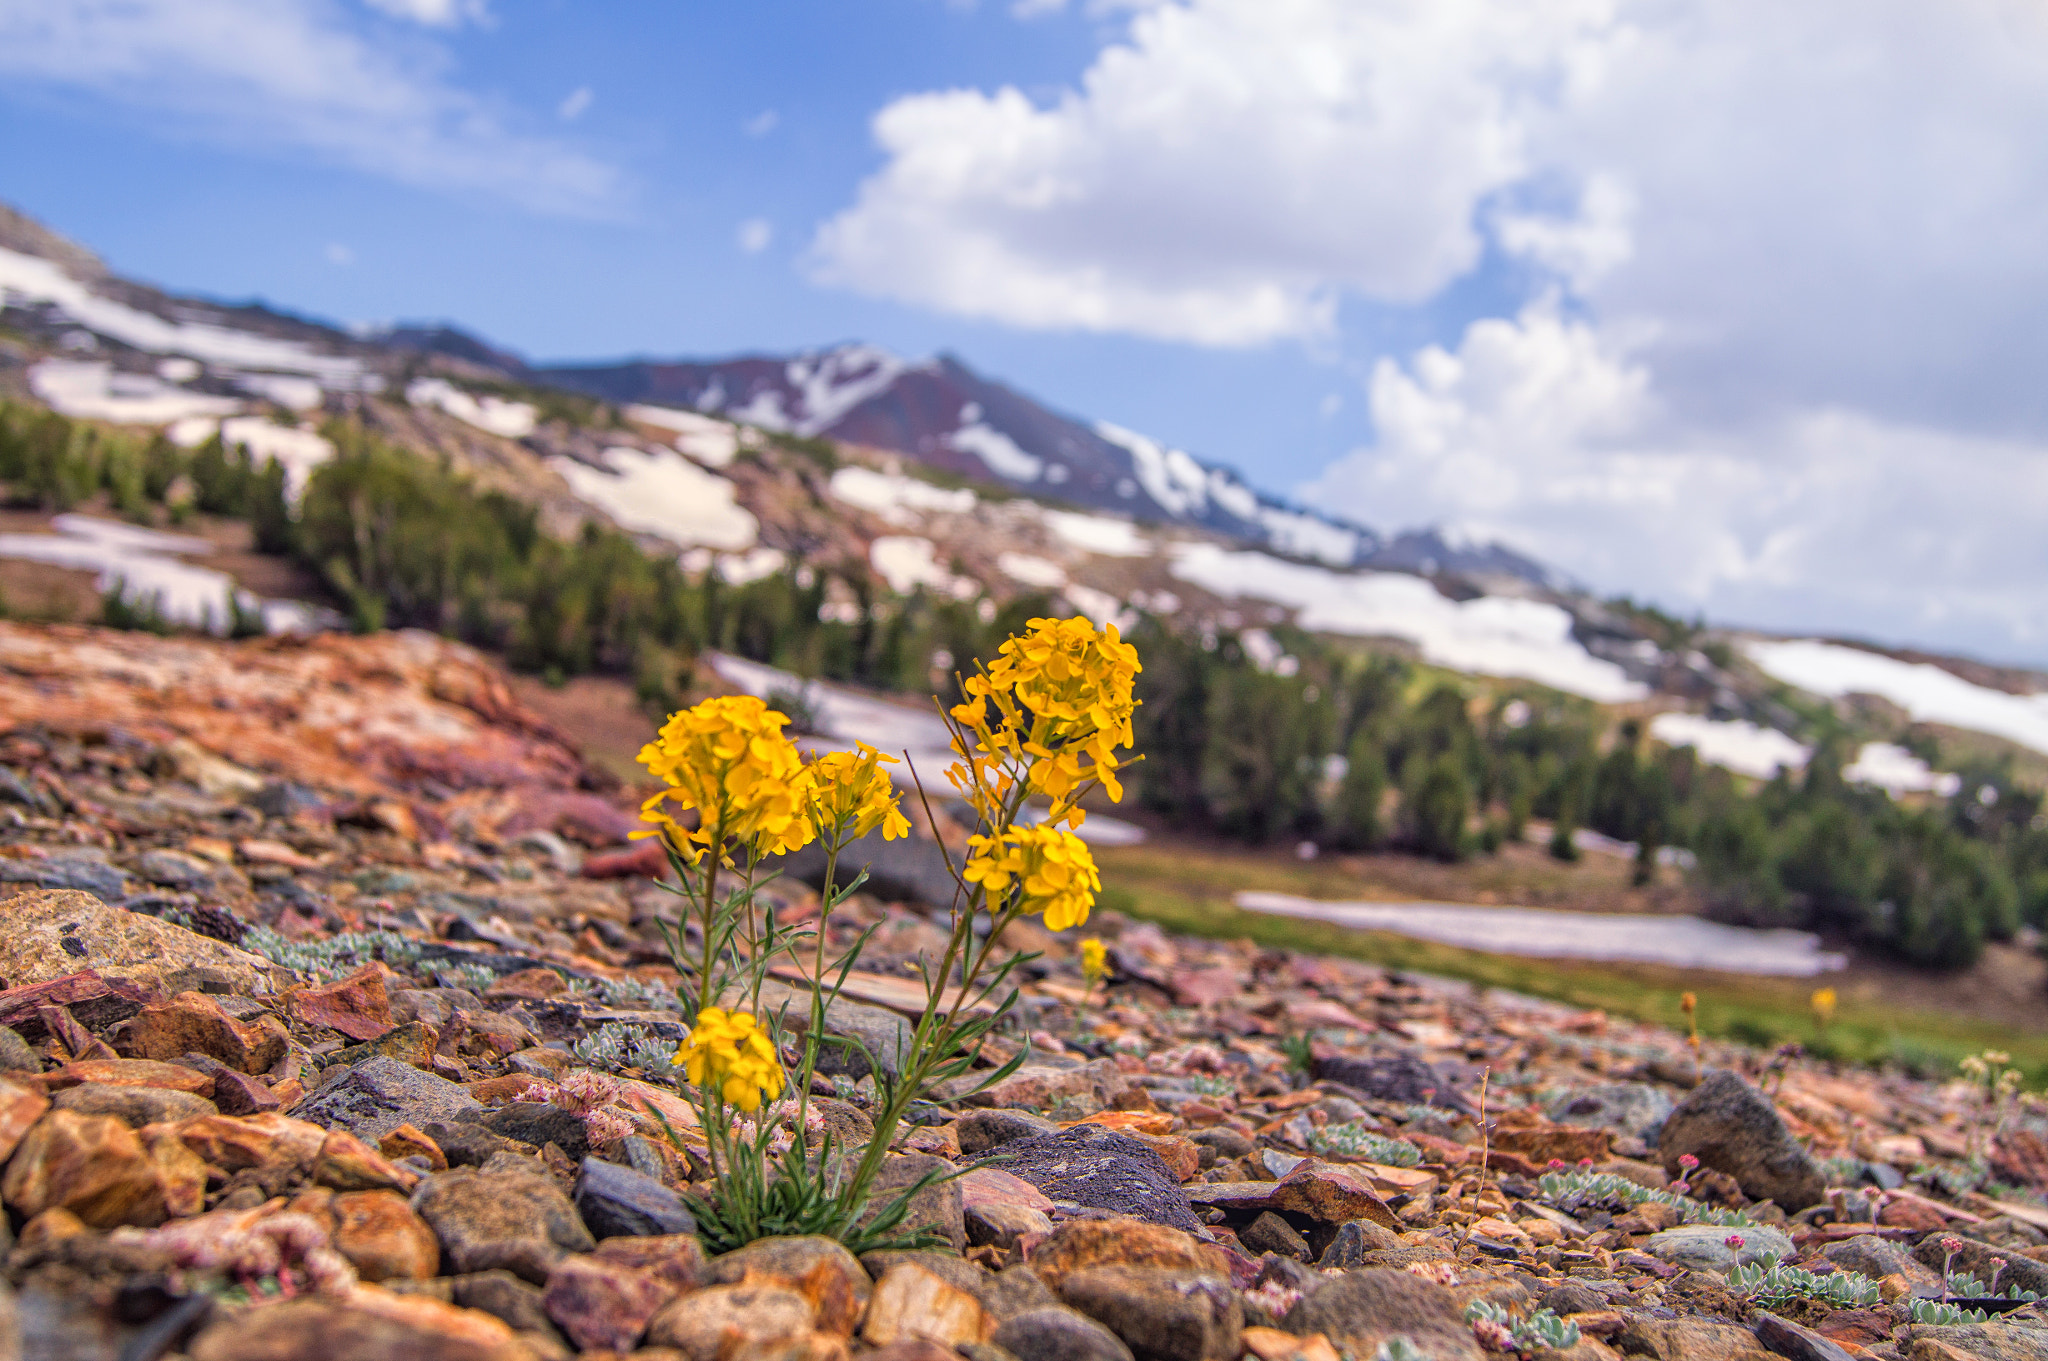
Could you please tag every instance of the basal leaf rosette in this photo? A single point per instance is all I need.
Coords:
(728, 759)
(1050, 869)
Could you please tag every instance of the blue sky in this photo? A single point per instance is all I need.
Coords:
(1714, 303)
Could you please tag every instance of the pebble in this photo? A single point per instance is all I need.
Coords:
(517, 1220)
(618, 1202)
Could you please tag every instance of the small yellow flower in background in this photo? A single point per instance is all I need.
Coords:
(728, 1052)
(1053, 868)
(1824, 1006)
(849, 795)
(728, 759)
(1094, 960)
(1690, 1005)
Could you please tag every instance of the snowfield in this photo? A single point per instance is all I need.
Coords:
(1928, 693)
(1100, 534)
(710, 441)
(92, 390)
(907, 562)
(513, 420)
(996, 450)
(1733, 744)
(1898, 771)
(299, 451)
(898, 499)
(663, 494)
(1492, 636)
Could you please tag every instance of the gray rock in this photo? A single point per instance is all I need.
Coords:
(1016, 1290)
(435, 1006)
(617, 1202)
(1270, 1233)
(1088, 1165)
(1878, 1258)
(1001, 1225)
(86, 874)
(175, 869)
(1632, 1108)
(2001, 1339)
(1362, 1309)
(1353, 1240)
(981, 1130)
(1788, 1339)
(1704, 1247)
(132, 1106)
(790, 1258)
(15, 1054)
(1395, 1077)
(1572, 1298)
(538, 1123)
(1975, 1258)
(469, 1145)
(1732, 1127)
(283, 798)
(1228, 1142)
(505, 1297)
(516, 1220)
(1161, 1315)
(378, 1095)
(939, 1209)
(883, 1033)
(1058, 1334)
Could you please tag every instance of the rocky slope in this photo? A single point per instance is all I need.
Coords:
(334, 1019)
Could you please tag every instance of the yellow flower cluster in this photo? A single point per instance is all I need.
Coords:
(1052, 868)
(850, 795)
(729, 1053)
(1094, 960)
(727, 758)
(1056, 704)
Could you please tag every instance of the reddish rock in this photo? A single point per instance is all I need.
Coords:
(379, 1233)
(267, 1140)
(103, 1000)
(643, 861)
(132, 1073)
(346, 1163)
(1331, 1193)
(1910, 1213)
(20, 1107)
(985, 1186)
(529, 984)
(1122, 1242)
(367, 1324)
(677, 1260)
(193, 1023)
(407, 1142)
(1539, 1144)
(357, 1006)
(601, 1304)
(239, 1094)
(92, 1165)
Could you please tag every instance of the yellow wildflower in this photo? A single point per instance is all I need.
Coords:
(1051, 867)
(729, 1053)
(1062, 704)
(849, 795)
(1824, 1006)
(1094, 960)
(728, 759)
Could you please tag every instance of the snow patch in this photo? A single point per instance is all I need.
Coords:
(896, 498)
(1170, 476)
(1928, 693)
(93, 390)
(664, 494)
(710, 441)
(1032, 571)
(831, 384)
(292, 393)
(298, 451)
(1490, 636)
(1733, 744)
(513, 420)
(1304, 536)
(996, 450)
(907, 562)
(1102, 534)
(1100, 607)
(1898, 771)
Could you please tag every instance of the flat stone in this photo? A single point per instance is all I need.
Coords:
(1004, 1225)
(618, 1202)
(1878, 1258)
(194, 1023)
(1704, 1247)
(1403, 1078)
(1161, 1315)
(517, 1220)
(1789, 1339)
(375, 1097)
(367, 1325)
(175, 869)
(102, 1171)
(1058, 1334)
(1732, 1127)
(912, 1301)
(938, 1209)
(268, 1140)
(1082, 1243)
(132, 1106)
(75, 873)
(412, 1044)
(602, 1305)
(1091, 1166)
(1362, 1309)
(47, 935)
(539, 1123)
(357, 1006)
(727, 1319)
(170, 1077)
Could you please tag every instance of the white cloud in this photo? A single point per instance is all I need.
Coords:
(1552, 433)
(755, 234)
(575, 105)
(435, 13)
(294, 76)
(339, 254)
(762, 123)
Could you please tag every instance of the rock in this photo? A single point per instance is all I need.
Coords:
(1362, 1309)
(2000, 1339)
(1704, 1247)
(1330, 1193)
(539, 1123)
(515, 1303)
(1058, 1335)
(376, 1097)
(1788, 1339)
(1228, 1142)
(210, 774)
(1572, 1298)
(15, 1054)
(618, 1202)
(726, 1320)
(1687, 1340)
(980, 1131)
(132, 1106)
(407, 1142)
(346, 1163)
(193, 1023)
(513, 1219)
(677, 1260)
(259, 1141)
(380, 1234)
(463, 1144)
(1042, 1087)
(367, 1325)
(823, 1269)
(1081, 1243)
(1016, 1290)
(1546, 1143)
(1004, 1225)
(188, 873)
(938, 1209)
(175, 1077)
(1636, 1109)
(240, 1094)
(1355, 1239)
(1090, 1166)
(47, 935)
(1270, 1233)
(1394, 1077)
(1878, 1258)
(105, 1173)
(20, 1107)
(1732, 1127)
(1162, 1315)
(73, 872)
(910, 1301)
(603, 1305)
(1975, 1258)
(412, 1044)
(357, 1006)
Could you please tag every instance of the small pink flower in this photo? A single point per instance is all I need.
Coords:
(1557, 1164)
(1734, 1240)
(1688, 1161)
(1951, 1244)
(1586, 1162)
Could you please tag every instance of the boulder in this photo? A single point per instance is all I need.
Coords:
(1087, 1165)
(618, 1202)
(1732, 1127)
(1635, 1109)
(46, 935)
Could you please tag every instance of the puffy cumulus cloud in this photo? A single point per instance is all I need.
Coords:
(1550, 432)
(1223, 176)
(299, 76)
(436, 13)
